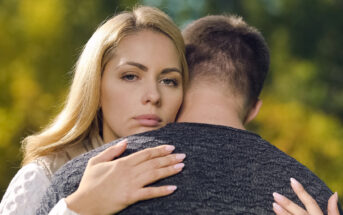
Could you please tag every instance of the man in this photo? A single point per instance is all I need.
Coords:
(228, 170)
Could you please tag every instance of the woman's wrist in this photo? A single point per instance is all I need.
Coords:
(74, 202)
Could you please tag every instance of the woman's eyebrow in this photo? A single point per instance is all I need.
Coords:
(173, 69)
(144, 68)
(140, 66)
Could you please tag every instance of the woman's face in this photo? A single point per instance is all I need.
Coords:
(141, 86)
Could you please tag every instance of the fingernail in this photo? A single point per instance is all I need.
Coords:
(278, 197)
(277, 207)
(180, 157)
(295, 182)
(171, 187)
(170, 148)
(121, 143)
(179, 166)
(336, 196)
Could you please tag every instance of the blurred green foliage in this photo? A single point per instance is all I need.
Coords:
(303, 98)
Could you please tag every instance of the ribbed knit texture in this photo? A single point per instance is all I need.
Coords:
(227, 171)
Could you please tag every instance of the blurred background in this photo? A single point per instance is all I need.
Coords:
(302, 113)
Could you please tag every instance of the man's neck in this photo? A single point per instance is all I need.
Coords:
(212, 107)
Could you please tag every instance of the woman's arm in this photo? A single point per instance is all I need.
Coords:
(109, 186)
(25, 191)
(106, 184)
(284, 206)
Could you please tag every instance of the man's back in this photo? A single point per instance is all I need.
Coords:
(227, 171)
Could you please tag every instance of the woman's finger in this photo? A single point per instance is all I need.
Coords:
(157, 174)
(149, 153)
(110, 153)
(279, 210)
(288, 205)
(159, 162)
(310, 204)
(153, 192)
(332, 205)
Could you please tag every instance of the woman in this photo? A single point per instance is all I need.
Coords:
(129, 79)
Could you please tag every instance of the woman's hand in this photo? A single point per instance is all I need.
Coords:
(109, 186)
(284, 206)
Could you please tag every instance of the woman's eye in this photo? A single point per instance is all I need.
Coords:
(129, 77)
(170, 82)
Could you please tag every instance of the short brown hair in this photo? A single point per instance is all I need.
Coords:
(225, 49)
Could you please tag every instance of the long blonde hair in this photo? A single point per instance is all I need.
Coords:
(81, 116)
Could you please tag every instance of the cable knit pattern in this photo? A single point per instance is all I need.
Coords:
(227, 171)
(25, 191)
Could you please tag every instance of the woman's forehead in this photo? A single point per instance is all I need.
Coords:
(147, 48)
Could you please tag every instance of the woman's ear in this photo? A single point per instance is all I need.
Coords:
(253, 112)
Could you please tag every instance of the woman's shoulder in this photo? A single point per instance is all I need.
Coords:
(52, 162)
(29, 173)
(25, 190)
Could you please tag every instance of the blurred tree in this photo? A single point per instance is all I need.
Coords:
(310, 136)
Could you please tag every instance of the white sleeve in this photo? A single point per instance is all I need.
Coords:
(25, 191)
(61, 209)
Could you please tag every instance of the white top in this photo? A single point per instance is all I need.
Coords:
(25, 191)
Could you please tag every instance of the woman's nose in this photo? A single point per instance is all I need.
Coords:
(152, 95)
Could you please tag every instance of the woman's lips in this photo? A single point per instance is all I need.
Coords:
(149, 120)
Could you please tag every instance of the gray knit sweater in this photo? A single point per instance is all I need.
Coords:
(227, 171)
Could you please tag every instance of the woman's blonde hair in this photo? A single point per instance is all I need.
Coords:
(81, 117)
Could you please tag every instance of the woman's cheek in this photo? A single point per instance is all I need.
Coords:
(175, 104)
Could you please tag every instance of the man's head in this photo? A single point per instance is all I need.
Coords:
(224, 51)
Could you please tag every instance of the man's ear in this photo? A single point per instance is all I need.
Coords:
(253, 112)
